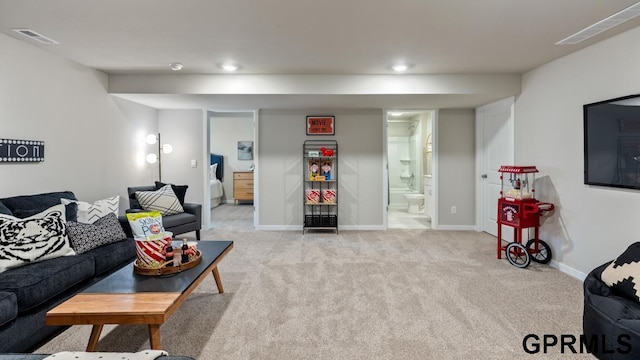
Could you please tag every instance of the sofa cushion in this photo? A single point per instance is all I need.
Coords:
(5, 210)
(90, 213)
(179, 190)
(110, 256)
(28, 205)
(177, 219)
(623, 274)
(163, 200)
(8, 307)
(84, 237)
(39, 237)
(35, 284)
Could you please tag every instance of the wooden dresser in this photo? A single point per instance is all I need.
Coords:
(242, 186)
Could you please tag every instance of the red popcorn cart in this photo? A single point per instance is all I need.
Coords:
(519, 209)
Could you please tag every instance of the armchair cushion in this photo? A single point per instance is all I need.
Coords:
(189, 220)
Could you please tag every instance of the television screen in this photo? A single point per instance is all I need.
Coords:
(612, 143)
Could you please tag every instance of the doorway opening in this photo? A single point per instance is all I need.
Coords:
(231, 151)
(410, 168)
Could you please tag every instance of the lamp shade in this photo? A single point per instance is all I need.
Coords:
(151, 158)
(167, 148)
(151, 139)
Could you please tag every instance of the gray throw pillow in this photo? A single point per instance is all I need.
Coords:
(85, 237)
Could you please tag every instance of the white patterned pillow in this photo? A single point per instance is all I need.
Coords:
(623, 274)
(85, 237)
(36, 238)
(90, 213)
(163, 200)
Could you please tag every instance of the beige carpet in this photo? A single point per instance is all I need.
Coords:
(396, 294)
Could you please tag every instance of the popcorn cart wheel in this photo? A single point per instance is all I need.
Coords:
(517, 255)
(540, 251)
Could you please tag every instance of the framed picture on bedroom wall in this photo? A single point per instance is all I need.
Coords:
(245, 150)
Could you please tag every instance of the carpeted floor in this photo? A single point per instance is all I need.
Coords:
(396, 294)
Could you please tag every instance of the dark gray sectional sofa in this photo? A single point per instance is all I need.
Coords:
(28, 292)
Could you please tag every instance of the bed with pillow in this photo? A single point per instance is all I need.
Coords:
(216, 167)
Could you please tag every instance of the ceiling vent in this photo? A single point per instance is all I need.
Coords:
(602, 25)
(36, 36)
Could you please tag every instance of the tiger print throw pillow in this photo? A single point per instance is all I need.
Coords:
(36, 238)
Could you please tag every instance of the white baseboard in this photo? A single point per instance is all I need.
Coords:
(299, 227)
(568, 270)
(362, 227)
(280, 227)
(455, 227)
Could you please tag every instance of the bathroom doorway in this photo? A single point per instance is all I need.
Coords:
(409, 157)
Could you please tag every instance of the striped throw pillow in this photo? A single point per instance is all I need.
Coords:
(163, 200)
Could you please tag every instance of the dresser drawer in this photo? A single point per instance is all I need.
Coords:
(242, 194)
(247, 184)
(243, 176)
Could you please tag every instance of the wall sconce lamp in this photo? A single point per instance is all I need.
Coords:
(152, 158)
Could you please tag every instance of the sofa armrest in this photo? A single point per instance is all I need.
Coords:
(195, 209)
(124, 223)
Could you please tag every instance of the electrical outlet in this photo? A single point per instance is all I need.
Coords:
(453, 210)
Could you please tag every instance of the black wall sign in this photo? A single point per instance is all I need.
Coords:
(21, 151)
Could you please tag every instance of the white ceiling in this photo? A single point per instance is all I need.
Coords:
(310, 37)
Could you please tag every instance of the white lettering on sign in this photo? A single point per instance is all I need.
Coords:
(21, 151)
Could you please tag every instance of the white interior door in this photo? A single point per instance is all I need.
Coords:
(494, 139)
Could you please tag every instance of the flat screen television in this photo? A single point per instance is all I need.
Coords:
(612, 142)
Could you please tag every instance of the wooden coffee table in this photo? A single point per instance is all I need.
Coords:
(125, 297)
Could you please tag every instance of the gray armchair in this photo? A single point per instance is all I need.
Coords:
(189, 220)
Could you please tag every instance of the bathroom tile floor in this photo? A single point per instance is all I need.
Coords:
(401, 219)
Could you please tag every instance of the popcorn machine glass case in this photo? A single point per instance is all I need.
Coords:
(519, 209)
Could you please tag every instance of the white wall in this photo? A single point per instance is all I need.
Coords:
(591, 225)
(184, 130)
(93, 141)
(226, 130)
(456, 168)
(359, 134)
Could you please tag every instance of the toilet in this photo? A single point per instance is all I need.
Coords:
(416, 201)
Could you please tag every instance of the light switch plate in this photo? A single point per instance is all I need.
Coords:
(194, 163)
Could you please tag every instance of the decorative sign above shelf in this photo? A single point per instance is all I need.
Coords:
(321, 125)
(21, 151)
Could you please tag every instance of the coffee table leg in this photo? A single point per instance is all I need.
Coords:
(154, 336)
(216, 275)
(95, 336)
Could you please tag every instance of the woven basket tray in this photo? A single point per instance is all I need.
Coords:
(193, 261)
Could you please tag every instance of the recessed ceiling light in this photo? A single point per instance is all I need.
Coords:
(400, 67)
(229, 67)
(176, 66)
(395, 113)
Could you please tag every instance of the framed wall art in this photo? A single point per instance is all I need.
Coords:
(21, 151)
(321, 125)
(245, 150)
